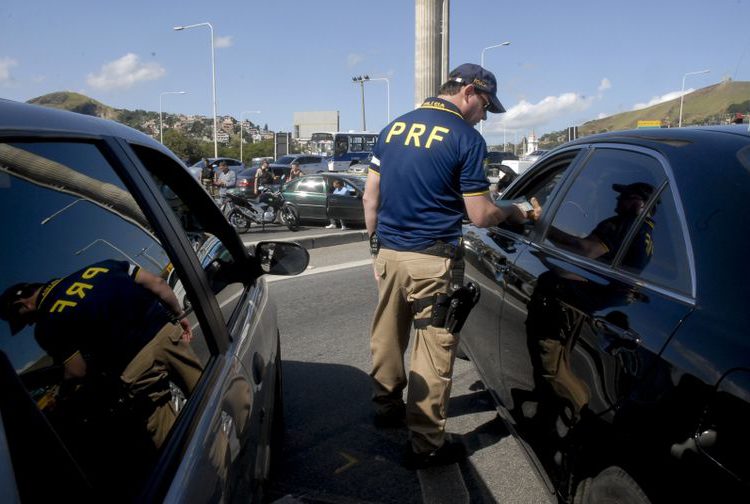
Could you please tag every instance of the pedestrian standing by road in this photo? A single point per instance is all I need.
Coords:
(295, 172)
(427, 166)
(339, 190)
(226, 179)
(263, 176)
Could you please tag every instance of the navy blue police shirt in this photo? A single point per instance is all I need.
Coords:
(428, 160)
(101, 312)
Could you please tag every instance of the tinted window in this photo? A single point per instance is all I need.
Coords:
(86, 340)
(606, 202)
(664, 245)
(285, 160)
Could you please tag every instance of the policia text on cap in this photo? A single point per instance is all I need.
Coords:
(426, 167)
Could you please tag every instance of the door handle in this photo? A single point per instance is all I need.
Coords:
(620, 337)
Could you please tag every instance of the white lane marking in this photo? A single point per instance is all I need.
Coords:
(324, 269)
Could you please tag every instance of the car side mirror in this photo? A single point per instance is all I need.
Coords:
(282, 258)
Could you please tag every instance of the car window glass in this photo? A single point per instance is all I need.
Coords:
(312, 184)
(539, 186)
(604, 203)
(84, 273)
(214, 259)
(657, 252)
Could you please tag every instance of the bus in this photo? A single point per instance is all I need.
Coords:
(344, 149)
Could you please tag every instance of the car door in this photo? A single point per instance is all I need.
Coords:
(236, 430)
(310, 198)
(346, 207)
(77, 205)
(581, 334)
(489, 254)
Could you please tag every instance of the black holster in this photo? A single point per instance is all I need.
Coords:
(449, 311)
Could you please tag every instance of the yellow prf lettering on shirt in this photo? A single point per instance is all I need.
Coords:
(93, 271)
(61, 304)
(435, 136)
(397, 129)
(416, 131)
(78, 289)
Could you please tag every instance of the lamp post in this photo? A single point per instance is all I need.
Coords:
(245, 112)
(387, 91)
(213, 77)
(161, 125)
(102, 240)
(481, 62)
(682, 94)
(361, 79)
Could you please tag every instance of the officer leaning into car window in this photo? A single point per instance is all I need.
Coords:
(112, 320)
(426, 167)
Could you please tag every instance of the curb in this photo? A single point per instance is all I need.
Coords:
(322, 240)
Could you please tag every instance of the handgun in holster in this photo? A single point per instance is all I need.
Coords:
(449, 311)
(462, 302)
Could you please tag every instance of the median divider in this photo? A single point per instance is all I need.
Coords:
(316, 239)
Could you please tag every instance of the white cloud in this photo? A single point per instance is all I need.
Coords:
(221, 42)
(353, 59)
(525, 115)
(124, 73)
(604, 85)
(661, 99)
(6, 64)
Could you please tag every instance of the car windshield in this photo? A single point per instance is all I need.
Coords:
(284, 160)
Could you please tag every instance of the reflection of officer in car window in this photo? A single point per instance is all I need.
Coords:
(112, 322)
(606, 239)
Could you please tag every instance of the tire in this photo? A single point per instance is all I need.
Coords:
(289, 217)
(611, 486)
(239, 221)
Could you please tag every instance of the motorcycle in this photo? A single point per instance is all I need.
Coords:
(242, 211)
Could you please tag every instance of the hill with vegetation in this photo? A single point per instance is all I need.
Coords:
(715, 104)
(190, 143)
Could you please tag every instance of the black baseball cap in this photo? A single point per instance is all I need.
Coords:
(9, 311)
(481, 79)
(640, 189)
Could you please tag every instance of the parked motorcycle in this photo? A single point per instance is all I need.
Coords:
(242, 211)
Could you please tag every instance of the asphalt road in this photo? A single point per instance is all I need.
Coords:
(331, 451)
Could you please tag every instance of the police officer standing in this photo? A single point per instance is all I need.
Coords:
(426, 168)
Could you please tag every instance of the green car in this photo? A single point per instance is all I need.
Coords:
(312, 196)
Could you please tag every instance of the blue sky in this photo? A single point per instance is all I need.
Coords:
(568, 62)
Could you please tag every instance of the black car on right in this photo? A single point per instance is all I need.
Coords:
(614, 332)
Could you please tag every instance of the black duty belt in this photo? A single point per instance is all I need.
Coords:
(442, 249)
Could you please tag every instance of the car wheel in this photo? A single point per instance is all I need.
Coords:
(611, 486)
(239, 221)
(289, 217)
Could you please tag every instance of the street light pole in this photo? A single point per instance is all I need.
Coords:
(361, 79)
(213, 77)
(161, 125)
(387, 91)
(682, 94)
(481, 62)
(245, 112)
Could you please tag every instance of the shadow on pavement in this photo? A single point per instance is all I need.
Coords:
(332, 453)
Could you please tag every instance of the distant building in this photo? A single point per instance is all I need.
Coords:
(222, 137)
(307, 123)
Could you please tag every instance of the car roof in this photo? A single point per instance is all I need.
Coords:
(24, 118)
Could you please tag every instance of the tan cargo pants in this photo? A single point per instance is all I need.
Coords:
(404, 277)
(165, 358)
